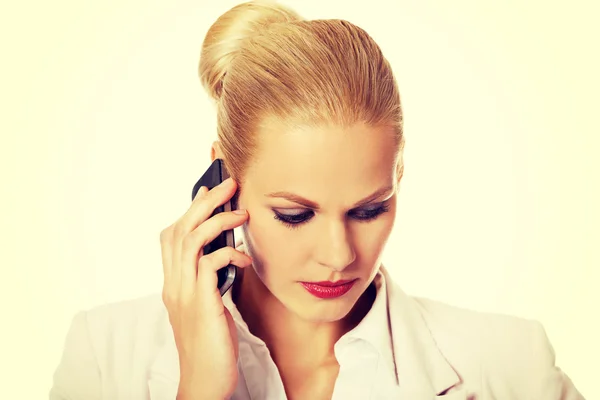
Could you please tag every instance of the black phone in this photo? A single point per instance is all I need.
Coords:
(213, 176)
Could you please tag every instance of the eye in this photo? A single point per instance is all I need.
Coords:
(368, 214)
(363, 215)
(294, 220)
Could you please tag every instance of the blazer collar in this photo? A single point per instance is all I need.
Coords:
(422, 371)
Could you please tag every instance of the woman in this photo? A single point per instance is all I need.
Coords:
(310, 130)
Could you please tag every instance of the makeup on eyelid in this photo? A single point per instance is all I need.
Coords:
(364, 215)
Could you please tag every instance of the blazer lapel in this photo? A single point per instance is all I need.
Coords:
(422, 371)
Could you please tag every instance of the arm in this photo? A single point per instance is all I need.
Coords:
(554, 383)
(77, 376)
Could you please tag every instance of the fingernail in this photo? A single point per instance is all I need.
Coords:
(240, 212)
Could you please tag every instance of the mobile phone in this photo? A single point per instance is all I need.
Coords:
(213, 176)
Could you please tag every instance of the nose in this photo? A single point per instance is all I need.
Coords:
(335, 249)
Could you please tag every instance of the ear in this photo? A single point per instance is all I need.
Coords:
(400, 172)
(215, 151)
(399, 169)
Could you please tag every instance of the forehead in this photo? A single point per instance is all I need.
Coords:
(318, 160)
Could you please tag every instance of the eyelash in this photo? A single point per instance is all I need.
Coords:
(293, 221)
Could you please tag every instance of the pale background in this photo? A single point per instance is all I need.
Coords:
(105, 129)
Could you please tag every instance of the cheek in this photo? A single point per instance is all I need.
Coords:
(270, 244)
(372, 237)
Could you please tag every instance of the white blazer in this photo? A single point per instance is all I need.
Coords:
(126, 351)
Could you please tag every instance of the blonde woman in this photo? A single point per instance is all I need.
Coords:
(310, 130)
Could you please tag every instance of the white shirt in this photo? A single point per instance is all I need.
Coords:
(367, 368)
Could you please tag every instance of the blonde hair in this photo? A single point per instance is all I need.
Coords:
(261, 61)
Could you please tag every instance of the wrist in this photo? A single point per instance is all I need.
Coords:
(190, 393)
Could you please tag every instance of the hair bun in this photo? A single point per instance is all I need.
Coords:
(225, 37)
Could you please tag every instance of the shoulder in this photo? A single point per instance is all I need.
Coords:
(110, 345)
(510, 356)
(489, 332)
(114, 327)
(489, 327)
(126, 315)
(131, 328)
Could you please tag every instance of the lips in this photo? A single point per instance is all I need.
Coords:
(328, 289)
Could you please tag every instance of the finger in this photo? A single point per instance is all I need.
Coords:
(201, 191)
(195, 241)
(203, 206)
(176, 232)
(209, 264)
(166, 237)
(182, 225)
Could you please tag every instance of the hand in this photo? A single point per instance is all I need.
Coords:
(204, 330)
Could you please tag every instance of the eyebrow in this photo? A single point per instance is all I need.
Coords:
(311, 204)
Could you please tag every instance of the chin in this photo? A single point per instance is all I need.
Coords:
(321, 316)
(321, 310)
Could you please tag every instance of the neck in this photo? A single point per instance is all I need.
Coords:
(286, 335)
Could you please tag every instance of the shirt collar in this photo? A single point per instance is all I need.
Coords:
(369, 329)
(374, 327)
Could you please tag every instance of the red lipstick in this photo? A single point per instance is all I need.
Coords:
(328, 289)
